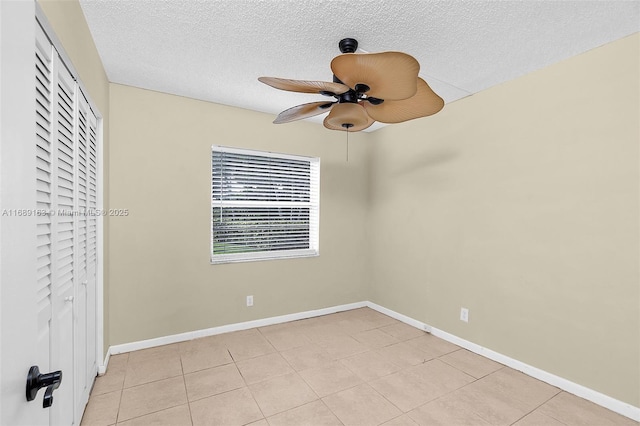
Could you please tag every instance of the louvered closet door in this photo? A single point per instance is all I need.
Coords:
(80, 247)
(67, 244)
(85, 249)
(64, 243)
(44, 202)
(91, 281)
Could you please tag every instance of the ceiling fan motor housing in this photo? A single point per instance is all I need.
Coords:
(350, 96)
(348, 45)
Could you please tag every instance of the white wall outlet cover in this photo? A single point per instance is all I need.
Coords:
(249, 300)
(464, 314)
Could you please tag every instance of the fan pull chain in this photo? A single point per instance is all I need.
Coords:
(347, 145)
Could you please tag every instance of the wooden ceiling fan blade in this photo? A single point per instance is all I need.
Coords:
(389, 75)
(425, 102)
(304, 86)
(303, 111)
(348, 116)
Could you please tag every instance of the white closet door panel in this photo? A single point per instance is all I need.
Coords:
(64, 173)
(83, 380)
(92, 248)
(44, 187)
(92, 245)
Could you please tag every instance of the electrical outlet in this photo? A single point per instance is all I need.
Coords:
(249, 300)
(464, 314)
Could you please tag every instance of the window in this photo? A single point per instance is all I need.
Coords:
(263, 205)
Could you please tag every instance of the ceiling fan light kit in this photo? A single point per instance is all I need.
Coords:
(367, 87)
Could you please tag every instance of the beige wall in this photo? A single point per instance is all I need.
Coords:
(521, 204)
(68, 22)
(161, 280)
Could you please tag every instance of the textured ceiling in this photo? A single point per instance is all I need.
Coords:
(215, 50)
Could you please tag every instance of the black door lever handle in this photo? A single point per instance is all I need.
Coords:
(36, 381)
(47, 401)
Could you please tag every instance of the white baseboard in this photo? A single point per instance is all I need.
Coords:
(103, 368)
(400, 317)
(596, 397)
(183, 337)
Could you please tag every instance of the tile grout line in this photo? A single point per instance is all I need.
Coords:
(124, 379)
(540, 405)
(331, 411)
(184, 381)
(475, 379)
(246, 385)
(155, 381)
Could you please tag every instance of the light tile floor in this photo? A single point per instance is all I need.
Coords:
(357, 367)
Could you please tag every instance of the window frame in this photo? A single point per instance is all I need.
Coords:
(313, 204)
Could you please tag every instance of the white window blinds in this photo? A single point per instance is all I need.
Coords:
(264, 205)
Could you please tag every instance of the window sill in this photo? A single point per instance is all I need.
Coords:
(253, 257)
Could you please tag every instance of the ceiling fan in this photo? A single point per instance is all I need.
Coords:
(367, 87)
